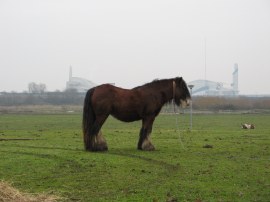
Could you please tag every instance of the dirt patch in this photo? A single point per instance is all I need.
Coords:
(208, 146)
(10, 194)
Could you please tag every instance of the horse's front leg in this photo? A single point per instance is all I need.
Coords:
(144, 140)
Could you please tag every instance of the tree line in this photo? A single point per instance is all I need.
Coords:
(75, 98)
(46, 98)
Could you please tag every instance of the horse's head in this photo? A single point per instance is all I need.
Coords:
(181, 93)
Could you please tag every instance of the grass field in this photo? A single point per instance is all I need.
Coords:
(44, 153)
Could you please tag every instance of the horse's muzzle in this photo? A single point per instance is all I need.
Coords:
(188, 102)
(185, 103)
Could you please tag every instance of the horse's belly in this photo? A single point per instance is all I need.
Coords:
(126, 117)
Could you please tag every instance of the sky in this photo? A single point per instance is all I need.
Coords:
(130, 43)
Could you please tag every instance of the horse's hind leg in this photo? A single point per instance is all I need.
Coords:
(144, 140)
(98, 142)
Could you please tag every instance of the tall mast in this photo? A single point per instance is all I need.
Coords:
(205, 82)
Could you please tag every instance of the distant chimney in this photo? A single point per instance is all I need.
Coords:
(70, 73)
(235, 79)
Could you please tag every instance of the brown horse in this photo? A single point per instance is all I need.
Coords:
(140, 103)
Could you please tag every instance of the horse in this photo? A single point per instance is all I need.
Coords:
(128, 105)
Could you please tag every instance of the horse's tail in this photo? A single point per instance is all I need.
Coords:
(88, 118)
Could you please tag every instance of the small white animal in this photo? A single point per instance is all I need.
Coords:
(247, 126)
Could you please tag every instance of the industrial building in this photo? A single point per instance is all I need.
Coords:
(213, 88)
(201, 87)
(79, 84)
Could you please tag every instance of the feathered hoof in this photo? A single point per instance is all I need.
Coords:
(99, 148)
(97, 144)
(147, 146)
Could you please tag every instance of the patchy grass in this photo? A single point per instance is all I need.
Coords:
(10, 194)
(45, 155)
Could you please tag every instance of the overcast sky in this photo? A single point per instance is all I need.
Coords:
(130, 42)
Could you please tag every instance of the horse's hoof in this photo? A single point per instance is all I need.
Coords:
(98, 148)
(148, 147)
(101, 149)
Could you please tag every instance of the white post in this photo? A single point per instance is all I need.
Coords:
(191, 86)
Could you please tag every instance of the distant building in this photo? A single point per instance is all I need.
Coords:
(79, 84)
(213, 88)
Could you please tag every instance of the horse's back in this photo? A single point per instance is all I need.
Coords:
(123, 104)
(110, 92)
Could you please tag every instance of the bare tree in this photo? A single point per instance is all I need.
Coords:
(36, 88)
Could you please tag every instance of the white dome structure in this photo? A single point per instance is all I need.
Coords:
(79, 84)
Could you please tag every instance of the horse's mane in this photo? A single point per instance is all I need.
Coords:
(154, 83)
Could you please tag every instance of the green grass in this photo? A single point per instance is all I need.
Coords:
(52, 160)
